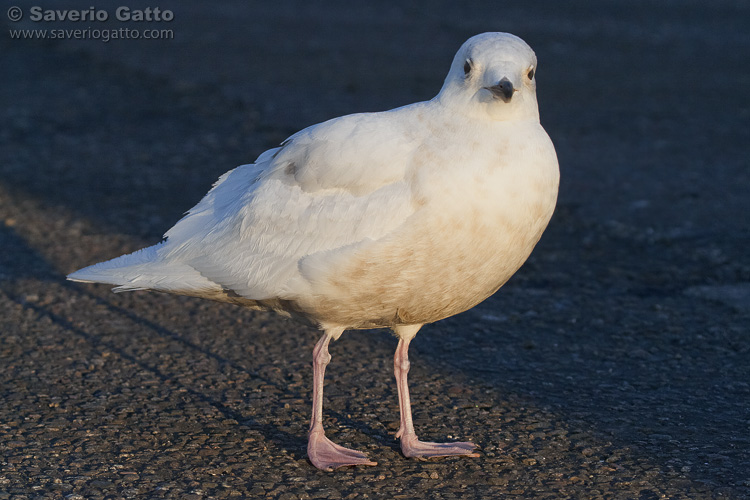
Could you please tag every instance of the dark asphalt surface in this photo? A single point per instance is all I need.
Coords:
(615, 364)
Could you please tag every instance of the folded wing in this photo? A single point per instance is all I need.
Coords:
(329, 188)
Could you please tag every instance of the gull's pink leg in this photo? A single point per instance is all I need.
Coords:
(410, 445)
(322, 452)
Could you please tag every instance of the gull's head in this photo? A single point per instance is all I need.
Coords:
(493, 75)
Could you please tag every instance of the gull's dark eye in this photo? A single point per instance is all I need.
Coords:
(467, 67)
(531, 74)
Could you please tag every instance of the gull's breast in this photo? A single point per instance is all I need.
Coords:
(474, 229)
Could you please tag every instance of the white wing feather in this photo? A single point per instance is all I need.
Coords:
(314, 194)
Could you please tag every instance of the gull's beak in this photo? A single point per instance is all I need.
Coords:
(504, 89)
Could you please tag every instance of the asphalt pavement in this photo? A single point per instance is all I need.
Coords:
(614, 365)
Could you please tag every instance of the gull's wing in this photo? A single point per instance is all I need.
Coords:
(328, 188)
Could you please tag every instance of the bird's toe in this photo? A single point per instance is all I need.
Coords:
(327, 455)
(414, 448)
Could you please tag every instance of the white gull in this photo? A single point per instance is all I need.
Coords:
(374, 220)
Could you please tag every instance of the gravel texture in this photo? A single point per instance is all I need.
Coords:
(614, 365)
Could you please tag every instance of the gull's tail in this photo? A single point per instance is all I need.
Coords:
(145, 270)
